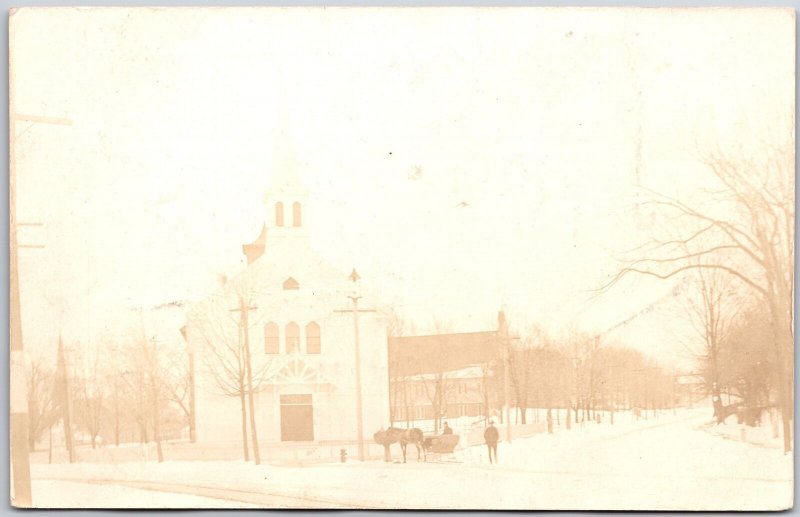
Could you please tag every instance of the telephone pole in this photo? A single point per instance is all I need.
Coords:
(359, 405)
(244, 310)
(18, 399)
(63, 385)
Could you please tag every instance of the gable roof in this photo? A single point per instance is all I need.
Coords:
(415, 355)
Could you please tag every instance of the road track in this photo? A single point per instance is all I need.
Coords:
(262, 499)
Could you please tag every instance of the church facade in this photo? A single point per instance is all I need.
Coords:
(311, 332)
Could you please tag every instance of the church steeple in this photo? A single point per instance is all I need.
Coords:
(284, 161)
(285, 199)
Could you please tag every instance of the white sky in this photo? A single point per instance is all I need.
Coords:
(541, 120)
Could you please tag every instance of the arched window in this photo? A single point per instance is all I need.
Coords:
(271, 339)
(292, 338)
(278, 214)
(313, 341)
(296, 215)
(291, 284)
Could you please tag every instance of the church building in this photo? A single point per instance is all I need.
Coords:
(317, 345)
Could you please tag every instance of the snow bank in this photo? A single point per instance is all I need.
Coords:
(667, 463)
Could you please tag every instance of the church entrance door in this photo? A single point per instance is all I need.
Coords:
(297, 418)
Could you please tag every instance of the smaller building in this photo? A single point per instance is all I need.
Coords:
(464, 394)
(443, 376)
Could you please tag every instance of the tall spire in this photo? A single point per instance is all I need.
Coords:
(286, 197)
(284, 161)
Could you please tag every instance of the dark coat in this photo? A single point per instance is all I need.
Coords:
(447, 430)
(491, 435)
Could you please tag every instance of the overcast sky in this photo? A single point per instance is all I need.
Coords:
(462, 160)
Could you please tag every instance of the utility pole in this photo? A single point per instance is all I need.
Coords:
(18, 396)
(64, 385)
(244, 311)
(359, 405)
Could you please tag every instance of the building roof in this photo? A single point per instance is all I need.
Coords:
(415, 355)
(475, 371)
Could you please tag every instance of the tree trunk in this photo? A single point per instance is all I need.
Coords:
(157, 425)
(244, 423)
(781, 337)
(785, 405)
(248, 365)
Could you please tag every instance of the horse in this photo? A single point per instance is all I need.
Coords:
(403, 437)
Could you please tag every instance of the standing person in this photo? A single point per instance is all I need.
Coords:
(447, 429)
(491, 436)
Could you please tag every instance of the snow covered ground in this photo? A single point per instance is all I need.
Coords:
(673, 462)
(71, 494)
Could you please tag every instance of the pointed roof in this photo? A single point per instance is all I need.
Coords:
(283, 172)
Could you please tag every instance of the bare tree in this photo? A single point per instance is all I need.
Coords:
(116, 402)
(244, 310)
(135, 392)
(437, 389)
(224, 359)
(178, 383)
(90, 396)
(577, 348)
(520, 366)
(138, 393)
(746, 365)
(523, 368)
(148, 359)
(712, 309)
(487, 389)
(744, 229)
(42, 410)
(398, 380)
(227, 358)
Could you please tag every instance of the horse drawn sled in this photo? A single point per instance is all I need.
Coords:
(441, 445)
(437, 445)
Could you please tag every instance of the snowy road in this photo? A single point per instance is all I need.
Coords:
(158, 494)
(96, 494)
(664, 463)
